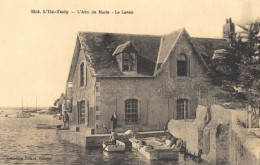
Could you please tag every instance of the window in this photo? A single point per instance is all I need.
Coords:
(181, 68)
(182, 65)
(129, 62)
(131, 111)
(182, 106)
(82, 74)
(86, 75)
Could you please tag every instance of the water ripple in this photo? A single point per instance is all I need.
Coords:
(22, 143)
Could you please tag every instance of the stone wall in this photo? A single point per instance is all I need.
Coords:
(83, 93)
(218, 134)
(244, 146)
(190, 132)
(157, 96)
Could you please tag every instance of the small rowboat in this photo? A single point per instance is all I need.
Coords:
(118, 147)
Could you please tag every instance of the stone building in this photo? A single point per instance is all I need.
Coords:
(146, 79)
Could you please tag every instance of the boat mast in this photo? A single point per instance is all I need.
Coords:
(22, 104)
(36, 103)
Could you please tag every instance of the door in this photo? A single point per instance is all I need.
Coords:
(81, 112)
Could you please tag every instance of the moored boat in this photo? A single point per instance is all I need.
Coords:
(20, 115)
(31, 111)
(154, 149)
(118, 147)
(41, 111)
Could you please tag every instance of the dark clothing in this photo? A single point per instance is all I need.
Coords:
(174, 140)
(66, 121)
(66, 117)
(113, 122)
(113, 138)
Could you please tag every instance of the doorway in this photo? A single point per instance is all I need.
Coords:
(81, 112)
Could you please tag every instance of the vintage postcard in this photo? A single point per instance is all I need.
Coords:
(130, 82)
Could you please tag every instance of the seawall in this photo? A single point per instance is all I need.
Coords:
(217, 135)
(93, 141)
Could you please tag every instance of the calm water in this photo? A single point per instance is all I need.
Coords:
(22, 143)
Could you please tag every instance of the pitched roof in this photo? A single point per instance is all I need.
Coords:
(74, 61)
(174, 36)
(126, 47)
(207, 46)
(147, 45)
(167, 43)
(99, 47)
(152, 50)
(121, 48)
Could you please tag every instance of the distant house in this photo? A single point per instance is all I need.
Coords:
(146, 79)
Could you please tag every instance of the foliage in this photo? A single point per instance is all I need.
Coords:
(237, 72)
(61, 98)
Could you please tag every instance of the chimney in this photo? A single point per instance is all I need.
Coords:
(229, 30)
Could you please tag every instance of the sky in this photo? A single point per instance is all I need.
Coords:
(36, 49)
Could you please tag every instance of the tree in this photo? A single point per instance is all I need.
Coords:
(237, 70)
(61, 98)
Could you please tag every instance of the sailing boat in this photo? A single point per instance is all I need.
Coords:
(32, 110)
(20, 114)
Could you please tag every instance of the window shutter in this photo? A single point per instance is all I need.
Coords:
(74, 113)
(144, 111)
(119, 107)
(174, 108)
(77, 113)
(87, 112)
(170, 108)
(91, 116)
(173, 66)
(193, 107)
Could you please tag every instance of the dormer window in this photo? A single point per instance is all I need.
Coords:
(129, 62)
(181, 68)
(182, 65)
(126, 55)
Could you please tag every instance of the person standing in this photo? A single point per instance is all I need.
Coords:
(113, 122)
(66, 120)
